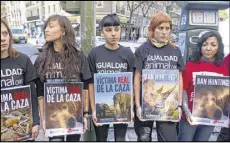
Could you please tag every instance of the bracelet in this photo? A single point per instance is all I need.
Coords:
(86, 116)
(86, 112)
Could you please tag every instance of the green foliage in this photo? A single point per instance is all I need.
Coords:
(222, 15)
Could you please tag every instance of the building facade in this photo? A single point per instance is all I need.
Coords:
(34, 17)
(14, 13)
(33, 14)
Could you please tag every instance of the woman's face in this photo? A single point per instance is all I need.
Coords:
(162, 32)
(5, 38)
(53, 31)
(209, 47)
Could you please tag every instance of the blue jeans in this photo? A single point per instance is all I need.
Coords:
(119, 132)
(188, 132)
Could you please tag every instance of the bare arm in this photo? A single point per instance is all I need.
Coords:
(133, 98)
(91, 96)
(185, 108)
(41, 107)
(86, 100)
(137, 78)
(180, 89)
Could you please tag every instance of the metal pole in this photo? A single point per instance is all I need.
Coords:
(88, 36)
(88, 25)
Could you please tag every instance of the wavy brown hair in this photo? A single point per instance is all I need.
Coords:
(70, 57)
(156, 20)
(11, 51)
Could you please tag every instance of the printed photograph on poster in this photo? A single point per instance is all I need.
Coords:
(16, 114)
(113, 97)
(63, 108)
(211, 100)
(160, 91)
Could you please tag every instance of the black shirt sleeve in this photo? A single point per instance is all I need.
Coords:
(30, 73)
(138, 60)
(38, 82)
(91, 61)
(131, 61)
(34, 100)
(39, 87)
(30, 76)
(180, 62)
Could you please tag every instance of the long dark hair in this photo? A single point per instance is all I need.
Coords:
(196, 56)
(70, 57)
(11, 51)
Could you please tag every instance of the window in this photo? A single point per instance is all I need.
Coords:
(99, 4)
(43, 10)
(60, 7)
(49, 9)
(37, 11)
(54, 8)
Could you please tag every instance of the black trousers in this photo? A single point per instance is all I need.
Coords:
(166, 131)
(119, 132)
(74, 137)
(224, 135)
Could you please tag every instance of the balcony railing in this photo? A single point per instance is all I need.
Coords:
(30, 18)
(31, 3)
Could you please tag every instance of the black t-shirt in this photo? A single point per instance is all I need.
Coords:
(147, 56)
(20, 71)
(104, 60)
(55, 72)
(17, 71)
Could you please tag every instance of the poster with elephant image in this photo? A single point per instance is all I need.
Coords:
(63, 108)
(160, 91)
(211, 103)
(16, 113)
(113, 97)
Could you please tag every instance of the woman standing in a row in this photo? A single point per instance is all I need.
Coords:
(61, 49)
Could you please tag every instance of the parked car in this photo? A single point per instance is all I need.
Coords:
(19, 35)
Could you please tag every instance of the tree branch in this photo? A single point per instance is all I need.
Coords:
(144, 14)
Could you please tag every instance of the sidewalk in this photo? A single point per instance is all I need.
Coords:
(35, 42)
(131, 135)
(32, 41)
